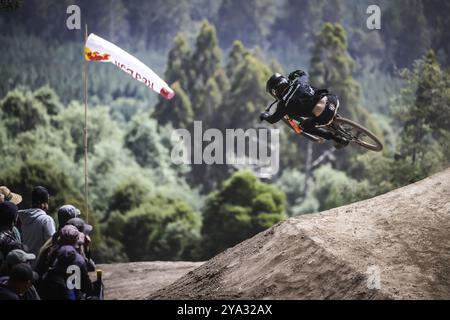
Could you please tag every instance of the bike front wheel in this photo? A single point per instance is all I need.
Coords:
(357, 133)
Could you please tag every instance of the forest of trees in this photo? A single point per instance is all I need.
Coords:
(217, 56)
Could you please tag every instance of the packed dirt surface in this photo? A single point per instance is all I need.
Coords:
(137, 280)
(394, 246)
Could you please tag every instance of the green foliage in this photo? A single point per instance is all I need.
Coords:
(50, 153)
(291, 182)
(160, 229)
(206, 74)
(34, 62)
(435, 12)
(247, 94)
(420, 111)
(334, 188)
(332, 68)
(143, 140)
(49, 99)
(328, 188)
(24, 112)
(107, 18)
(158, 21)
(100, 126)
(206, 57)
(249, 21)
(23, 176)
(242, 207)
(408, 37)
(129, 195)
(423, 111)
(178, 111)
(123, 110)
(3, 137)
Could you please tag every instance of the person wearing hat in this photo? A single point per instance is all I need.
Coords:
(8, 218)
(7, 195)
(14, 258)
(20, 280)
(37, 226)
(85, 250)
(65, 214)
(53, 285)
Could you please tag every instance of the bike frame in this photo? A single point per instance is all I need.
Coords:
(298, 130)
(291, 123)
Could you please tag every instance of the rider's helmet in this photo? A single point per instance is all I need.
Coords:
(277, 85)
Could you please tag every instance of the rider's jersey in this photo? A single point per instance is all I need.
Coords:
(298, 101)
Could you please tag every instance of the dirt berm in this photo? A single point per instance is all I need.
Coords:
(394, 246)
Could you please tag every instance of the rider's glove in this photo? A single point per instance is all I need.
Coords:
(263, 116)
(296, 74)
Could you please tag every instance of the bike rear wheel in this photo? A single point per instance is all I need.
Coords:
(357, 133)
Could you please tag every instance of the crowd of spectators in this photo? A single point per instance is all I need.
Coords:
(39, 261)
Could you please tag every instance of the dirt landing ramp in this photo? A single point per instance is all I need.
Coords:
(394, 246)
(136, 280)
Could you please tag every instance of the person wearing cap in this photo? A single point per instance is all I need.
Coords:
(8, 218)
(53, 285)
(85, 249)
(20, 280)
(65, 214)
(7, 195)
(36, 225)
(14, 258)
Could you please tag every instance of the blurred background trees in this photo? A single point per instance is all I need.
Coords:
(241, 208)
(217, 55)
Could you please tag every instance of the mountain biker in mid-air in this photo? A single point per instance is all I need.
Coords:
(297, 99)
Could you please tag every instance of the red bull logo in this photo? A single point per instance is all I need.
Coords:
(95, 55)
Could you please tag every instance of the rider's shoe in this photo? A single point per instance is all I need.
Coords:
(340, 142)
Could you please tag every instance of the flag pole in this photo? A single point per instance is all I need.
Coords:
(85, 131)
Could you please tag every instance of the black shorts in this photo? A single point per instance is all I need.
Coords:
(330, 110)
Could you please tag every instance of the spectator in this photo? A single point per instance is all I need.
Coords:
(36, 226)
(18, 283)
(14, 258)
(53, 286)
(69, 235)
(7, 195)
(8, 218)
(65, 213)
(85, 250)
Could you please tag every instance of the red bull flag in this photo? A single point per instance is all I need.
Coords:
(98, 49)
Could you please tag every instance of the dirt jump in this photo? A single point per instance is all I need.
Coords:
(394, 246)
